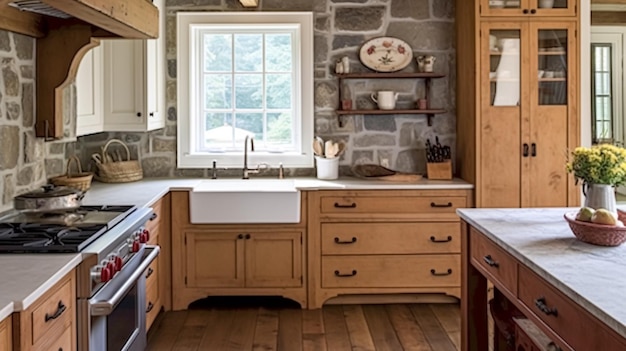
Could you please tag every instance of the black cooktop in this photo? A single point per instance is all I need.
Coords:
(59, 231)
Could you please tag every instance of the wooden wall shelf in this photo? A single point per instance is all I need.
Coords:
(430, 113)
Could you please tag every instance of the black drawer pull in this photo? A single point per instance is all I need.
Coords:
(434, 272)
(150, 271)
(352, 205)
(540, 303)
(490, 261)
(553, 347)
(247, 236)
(60, 309)
(153, 217)
(446, 240)
(150, 307)
(240, 236)
(338, 274)
(339, 241)
(449, 204)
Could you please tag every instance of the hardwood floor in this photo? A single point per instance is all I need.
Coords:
(419, 327)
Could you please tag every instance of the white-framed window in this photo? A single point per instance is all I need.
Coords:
(245, 74)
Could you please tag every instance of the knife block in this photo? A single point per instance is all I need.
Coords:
(439, 170)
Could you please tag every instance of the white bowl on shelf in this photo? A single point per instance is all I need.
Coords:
(498, 4)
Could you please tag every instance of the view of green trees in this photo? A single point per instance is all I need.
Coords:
(248, 85)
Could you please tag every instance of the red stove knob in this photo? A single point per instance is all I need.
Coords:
(135, 247)
(111, 267)
(146, 233)
(105, 275)
(118, 263)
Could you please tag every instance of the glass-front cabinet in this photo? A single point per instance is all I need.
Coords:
(527, 105)
(557, 8)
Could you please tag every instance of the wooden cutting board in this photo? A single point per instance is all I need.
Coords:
(377, 172)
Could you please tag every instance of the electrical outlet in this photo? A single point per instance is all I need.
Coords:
(384, 162)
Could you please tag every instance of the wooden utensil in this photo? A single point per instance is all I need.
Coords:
(318, 146)
(372, 171)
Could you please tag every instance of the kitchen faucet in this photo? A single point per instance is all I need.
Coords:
(246, 171)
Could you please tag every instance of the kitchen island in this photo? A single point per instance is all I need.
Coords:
(571, 290)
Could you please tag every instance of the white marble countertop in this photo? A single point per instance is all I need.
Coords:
(592, 276)
(149, 190)
(25, 277)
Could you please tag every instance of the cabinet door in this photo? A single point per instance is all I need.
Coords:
(552, 112)
(528, 8)
(155, 75)
(123, 85)
(214, 259)
(89, 113)
(274, 260)
(502, 111)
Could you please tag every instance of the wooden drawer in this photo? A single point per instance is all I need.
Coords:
(157, 217)
(390, 238)
(63, 343)
(494, 261)
(53, 312)
(580, 329)
(152, 273)
(153, 302)
(6, 334)
(387, 271)
(391, 204)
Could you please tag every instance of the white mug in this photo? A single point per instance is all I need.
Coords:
(386, 100)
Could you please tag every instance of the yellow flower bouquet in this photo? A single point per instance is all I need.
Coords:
(599, 164)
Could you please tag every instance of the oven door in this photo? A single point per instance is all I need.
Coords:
(118, 311)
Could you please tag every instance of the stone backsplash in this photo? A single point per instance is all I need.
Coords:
(341, 27)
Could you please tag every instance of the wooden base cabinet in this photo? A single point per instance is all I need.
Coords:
(264, 259)
(384, 242)
(157, 275)
(6, 343)
(50, 322)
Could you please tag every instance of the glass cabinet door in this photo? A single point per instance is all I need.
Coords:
(504, 67)
(528, 8)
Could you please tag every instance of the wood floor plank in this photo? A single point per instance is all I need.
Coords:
(241, 335)
(196, 322)
(313, 338)
(409, 333)
(433, 330)
(449, 317)
(360, 337)
(266, 331)
(290, 330)
(380, 328)
(215, 336)
(163, 335)
(336, 331)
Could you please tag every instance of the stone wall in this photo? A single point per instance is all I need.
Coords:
(341, 27)
(22, 155)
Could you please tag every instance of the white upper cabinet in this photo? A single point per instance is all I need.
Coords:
(89, 113)
(134, 82)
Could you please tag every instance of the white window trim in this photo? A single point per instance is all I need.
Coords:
(185, 100)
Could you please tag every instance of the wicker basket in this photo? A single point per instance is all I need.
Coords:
(110, 171)
(79, 180)
(597, 234)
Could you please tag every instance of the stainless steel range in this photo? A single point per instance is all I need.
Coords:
(110, 279)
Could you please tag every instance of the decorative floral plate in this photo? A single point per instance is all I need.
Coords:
(386, 54)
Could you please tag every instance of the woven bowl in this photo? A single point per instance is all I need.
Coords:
(597, 234)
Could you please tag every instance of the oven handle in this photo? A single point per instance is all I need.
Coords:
(104, 308)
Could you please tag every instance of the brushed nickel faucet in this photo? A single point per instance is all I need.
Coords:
(246, 170)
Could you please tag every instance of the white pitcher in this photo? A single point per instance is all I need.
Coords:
(386, 100)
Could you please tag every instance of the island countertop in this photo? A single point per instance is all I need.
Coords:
(540, 238)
